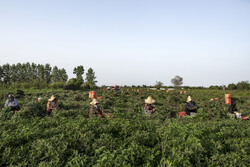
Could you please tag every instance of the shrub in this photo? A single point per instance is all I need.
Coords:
(19, 94)
(57, 85)
(73, 84)
(6, 114)
(86, 86)
(69, 138)
(33, 109)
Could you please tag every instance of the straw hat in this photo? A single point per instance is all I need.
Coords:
(52, 98)
(189, 99)
(94, 102)
(149, 100)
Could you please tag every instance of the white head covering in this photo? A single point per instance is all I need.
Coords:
(149, 100)
(189, 99)
(94, 102)
(52, 98)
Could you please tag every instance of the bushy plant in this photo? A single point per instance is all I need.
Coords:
(57, 85)
(6, 113)
(73, 84)
(33, 109)
(69, 138)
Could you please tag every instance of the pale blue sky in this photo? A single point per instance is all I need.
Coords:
(132, 42)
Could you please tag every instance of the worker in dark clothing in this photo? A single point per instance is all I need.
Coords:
(148, 108)
(95, 109)
(191, 107)
(52, 104)
(233, 111)
(232, 108)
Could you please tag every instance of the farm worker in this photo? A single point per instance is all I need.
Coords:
(148, 108)
(52, 104)
(12, 103)
(232, 108)
(95, 109)
(232, 111)
(191, 107)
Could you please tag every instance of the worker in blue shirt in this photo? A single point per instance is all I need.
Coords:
(12, 103)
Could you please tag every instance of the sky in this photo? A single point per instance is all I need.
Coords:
(132, 42)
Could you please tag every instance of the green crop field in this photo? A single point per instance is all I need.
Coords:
(69, 138)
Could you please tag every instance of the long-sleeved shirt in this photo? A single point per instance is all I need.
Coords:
(232, 108)
(191, 107)
(12, 103)
(52, 105)
(94, 110)
(148, 108)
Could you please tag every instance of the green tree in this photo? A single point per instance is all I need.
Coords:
(55, 74)
(72, 84)
(33, 72)
(16, 73)
(25, 72)
(216, 87)
(41, 73)
(63, 77)
(47, 73)
(79, 71)
(243, 85)
(6, 72)
(13, 74)
(232, 86)
(22, 72)
(91, 78)
(158, 84)
(177, 81)
(1, 73)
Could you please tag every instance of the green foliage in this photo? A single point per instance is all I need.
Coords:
(216, 87)
(6, 114)
(77, 83)
(79, 71)
(33, 75)
(59, 75)
(33, 109)
(177, 81)
(232, 86)
(91, 78)
(69, 138)
(158, 84)
(58, 85)
(243, 85)
(73, 84)
(19, 94)
(86, 86)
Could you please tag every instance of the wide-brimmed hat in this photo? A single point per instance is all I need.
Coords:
(52, 98)
(94, 102)
(149, 100)
(189, 99)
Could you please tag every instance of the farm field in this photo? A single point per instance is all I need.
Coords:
(69, 138)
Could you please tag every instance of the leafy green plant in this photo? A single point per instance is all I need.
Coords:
(69, 138)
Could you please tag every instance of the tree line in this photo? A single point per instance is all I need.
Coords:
(28, 75)
(242, 85)
(26, 72)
